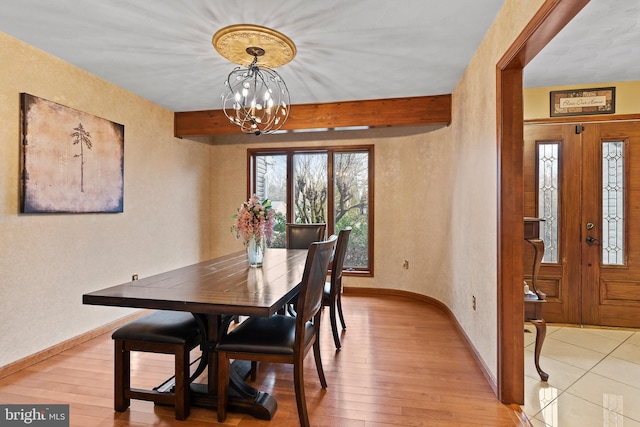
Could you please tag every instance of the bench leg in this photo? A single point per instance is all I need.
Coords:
(182, 388)
(122, 381)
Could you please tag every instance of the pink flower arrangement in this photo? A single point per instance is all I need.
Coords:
(254, 218)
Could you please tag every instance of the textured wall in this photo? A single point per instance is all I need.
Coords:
(474, 184)
(48, 261)
(435, 196)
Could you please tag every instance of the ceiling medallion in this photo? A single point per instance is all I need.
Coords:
(231, 42)
(256, 98)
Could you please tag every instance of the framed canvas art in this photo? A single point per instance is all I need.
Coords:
(71, 161)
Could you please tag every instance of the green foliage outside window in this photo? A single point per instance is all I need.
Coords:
(307, 192)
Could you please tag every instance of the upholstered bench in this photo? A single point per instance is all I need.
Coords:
(168, 332)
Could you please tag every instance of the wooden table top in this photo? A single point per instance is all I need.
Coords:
(225, 285)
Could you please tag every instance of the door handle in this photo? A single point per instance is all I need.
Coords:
(591, 240)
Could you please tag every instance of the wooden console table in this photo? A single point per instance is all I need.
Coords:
(535, 298)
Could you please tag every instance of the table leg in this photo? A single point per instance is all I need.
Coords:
(242, 397)
(538, 254)
(541, 333)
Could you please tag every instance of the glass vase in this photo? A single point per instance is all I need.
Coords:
(255, 252)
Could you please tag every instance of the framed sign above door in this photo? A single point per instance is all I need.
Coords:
(582, 102)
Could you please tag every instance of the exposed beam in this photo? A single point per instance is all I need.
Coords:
(414, 111)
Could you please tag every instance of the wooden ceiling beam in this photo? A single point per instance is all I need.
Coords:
(414, 111)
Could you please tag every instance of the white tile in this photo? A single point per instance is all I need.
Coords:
(619, 370)
(593, 339)
(537, 395)
(634, 339)
(561, 375)
(574, 397)
(628, 351)
(551, 329)
(529, 336)
(614, 395)
(615, 334)
(537, 423)
(570, 354)
(571, 411)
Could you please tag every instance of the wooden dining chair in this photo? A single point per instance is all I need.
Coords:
(300, 236)
(280, 338)
(168, 332)
(332, 297)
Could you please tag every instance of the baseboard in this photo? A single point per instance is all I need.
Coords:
(25, 362)
(491, 380)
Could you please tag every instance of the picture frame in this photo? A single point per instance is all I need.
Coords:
(72, 162)
(580, 102)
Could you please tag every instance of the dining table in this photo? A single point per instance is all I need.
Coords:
(216, 292)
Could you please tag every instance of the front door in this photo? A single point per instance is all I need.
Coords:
(584, 181)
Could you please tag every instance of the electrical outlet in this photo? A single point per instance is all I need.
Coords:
(473, 302)
(134, 277)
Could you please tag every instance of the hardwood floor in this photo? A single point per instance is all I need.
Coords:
(402, 363)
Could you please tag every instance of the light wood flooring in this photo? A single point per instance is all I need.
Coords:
(402, 363)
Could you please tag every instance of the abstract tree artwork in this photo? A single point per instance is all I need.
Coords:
(71, 161)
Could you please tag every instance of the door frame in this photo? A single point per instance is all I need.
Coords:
(550, 19)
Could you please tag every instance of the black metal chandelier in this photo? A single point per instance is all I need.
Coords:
(256, 98)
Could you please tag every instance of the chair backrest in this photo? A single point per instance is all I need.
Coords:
(313, 280)
(300, 236)
(338, 258)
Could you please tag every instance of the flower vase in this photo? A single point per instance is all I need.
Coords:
(255, 252)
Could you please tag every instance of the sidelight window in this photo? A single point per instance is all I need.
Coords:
(613, 203)
(549, 198)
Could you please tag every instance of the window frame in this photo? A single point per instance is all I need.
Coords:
(330, 151)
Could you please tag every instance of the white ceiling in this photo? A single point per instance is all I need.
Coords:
(601, 44)
(346, 50)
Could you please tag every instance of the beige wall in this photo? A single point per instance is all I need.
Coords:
(48, 261)
(537, 101)
(435, 195)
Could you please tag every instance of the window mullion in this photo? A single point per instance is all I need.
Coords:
(331, 206)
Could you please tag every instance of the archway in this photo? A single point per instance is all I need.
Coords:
(548, 21)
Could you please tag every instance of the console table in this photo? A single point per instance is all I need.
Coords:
(534, 299)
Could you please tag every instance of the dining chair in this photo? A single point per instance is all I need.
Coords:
(300, 236)
(332, 296)
(168, 332)
(281, 338)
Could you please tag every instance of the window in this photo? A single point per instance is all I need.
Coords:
(327, 185)
(613, 190)
(549, 198)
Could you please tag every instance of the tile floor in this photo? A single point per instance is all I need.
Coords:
(594, 377)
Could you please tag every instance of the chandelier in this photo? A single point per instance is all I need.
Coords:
(256, 98)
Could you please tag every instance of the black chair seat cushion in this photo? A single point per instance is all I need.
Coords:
(269, 335)
(170, 327)
(327, 291)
